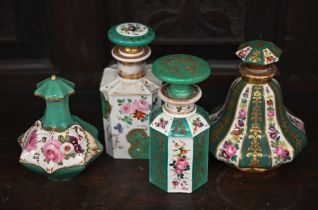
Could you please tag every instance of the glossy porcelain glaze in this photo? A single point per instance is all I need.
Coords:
(129, 92)
(59, 145)
(179, 134)
(253, 131)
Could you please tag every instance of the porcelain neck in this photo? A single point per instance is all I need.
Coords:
(131, 61)
(57, 114)
(257, 74)
(179, 107)
(131, 70)
(179, 110)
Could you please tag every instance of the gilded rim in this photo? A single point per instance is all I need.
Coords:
(54, 99)
(263, 75)
(180, 114)
(140, 56)
(131, 76)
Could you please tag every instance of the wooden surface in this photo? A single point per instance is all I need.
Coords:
(123, 184)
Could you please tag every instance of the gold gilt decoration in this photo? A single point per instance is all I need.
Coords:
(222, 127)
(254, 150)
(200, 159)
(190, 63)
(284, 124)
(158, 159)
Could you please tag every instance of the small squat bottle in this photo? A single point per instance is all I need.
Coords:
(59, 145)
(179, 134)
(253, 131)
(129, 92)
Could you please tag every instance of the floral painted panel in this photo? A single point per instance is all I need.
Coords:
(243, 53)
(230, 148)
(128, 127)
(280, 148)
(180, 159)
(197, 124)
(133, 109)
(162, 123)
(52, 150)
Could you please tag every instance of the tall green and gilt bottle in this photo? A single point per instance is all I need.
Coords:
(179, 130)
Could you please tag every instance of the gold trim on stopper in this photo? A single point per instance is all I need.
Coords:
(257, 74)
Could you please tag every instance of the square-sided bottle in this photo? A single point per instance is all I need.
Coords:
(129, 92)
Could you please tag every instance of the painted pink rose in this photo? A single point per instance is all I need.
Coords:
(127, 108)
(242, 113)
(230, 150)
(271, 113)
(286, 154)
(141, 104)
(181, 165)
(32, 141)
(279, 151)
(52, 151)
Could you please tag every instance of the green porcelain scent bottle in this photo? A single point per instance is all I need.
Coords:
(129, 92)
(59, 145)
(179, 133)
(253, 131)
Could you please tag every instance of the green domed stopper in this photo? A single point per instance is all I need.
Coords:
(56, 92)
(131, 34)
(259, 52)
(54, 88)
(181, 71)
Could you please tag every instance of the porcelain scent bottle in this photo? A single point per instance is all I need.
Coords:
(253, 131)
(59, 145)
(179, 134)
(129, 92)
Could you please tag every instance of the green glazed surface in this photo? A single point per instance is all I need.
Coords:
(129, 35)
(256, 120)
(181, 71)
(54, 89)
(256, 55)
(57, 115)
(158, 155)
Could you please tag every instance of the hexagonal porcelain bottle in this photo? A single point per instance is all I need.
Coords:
(129, 92)
(253, 131)
(59, 145)
(179, 134)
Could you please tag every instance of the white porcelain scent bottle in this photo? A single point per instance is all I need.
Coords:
(129, 92)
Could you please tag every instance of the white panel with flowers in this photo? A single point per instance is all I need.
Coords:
(229, 149)
(162, 123)
(243, 53)
(128, 113)
(197, 124)
(180, 159)
(53, 150)
(269, 57)
(281, 150)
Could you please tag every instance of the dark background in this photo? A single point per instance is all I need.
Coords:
(68, 38)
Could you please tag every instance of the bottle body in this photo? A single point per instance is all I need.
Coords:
(127, 104)
(253, 131)
(59, 145)
(179, 150)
